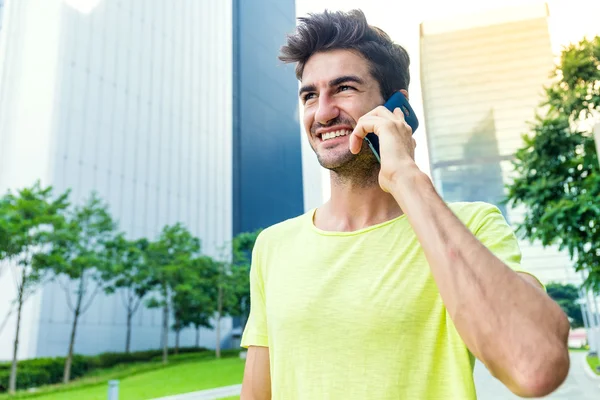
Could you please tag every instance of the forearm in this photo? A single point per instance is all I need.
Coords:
(508, 323)
(256, 383)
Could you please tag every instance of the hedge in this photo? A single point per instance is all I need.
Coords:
(45, 371)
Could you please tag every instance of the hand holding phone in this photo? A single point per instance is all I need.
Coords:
(397, 100)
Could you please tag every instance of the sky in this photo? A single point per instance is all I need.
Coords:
(569, 21)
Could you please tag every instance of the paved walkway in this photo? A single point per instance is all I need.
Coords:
(578, 385)
(211, 394)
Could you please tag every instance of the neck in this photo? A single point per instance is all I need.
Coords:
(356, 203)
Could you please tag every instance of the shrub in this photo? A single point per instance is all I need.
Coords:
(45, 371)
(26, 378)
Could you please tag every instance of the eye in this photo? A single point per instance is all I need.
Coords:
(345, 88)
(308, 96)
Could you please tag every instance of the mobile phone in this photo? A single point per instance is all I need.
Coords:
(397, 100)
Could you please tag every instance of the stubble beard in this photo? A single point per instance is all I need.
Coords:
(360, 170)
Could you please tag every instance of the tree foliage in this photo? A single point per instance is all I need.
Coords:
(130, 276)
(86, 265)
(242, 246)
(558, 177)
(567, 296)
(196, 299)
(78, 246)
(170, 258)
(31, 218)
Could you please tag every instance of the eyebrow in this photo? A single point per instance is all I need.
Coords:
(334, 82)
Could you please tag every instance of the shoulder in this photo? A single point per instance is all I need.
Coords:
(283, 230)
(272, 241)
(476, 214)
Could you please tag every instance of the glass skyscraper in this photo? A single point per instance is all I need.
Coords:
(482, 79)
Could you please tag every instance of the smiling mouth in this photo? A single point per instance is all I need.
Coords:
(334, 134)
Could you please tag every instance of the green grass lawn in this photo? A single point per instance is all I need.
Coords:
(594, 362)
(578, 349)
(185, 376)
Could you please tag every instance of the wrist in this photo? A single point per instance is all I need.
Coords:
(410, 186)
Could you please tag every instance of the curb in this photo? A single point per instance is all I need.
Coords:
(588, 369)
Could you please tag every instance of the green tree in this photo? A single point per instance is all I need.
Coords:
(169, 258)
(242, 246)
(558, 177)
(129, 274)
(233, 286)
(225, 297)
(7, 249)
(31, 218)
(87, 259)
(195, 300)
(567, 296)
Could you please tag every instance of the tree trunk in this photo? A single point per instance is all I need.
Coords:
(219, 311)
(128, 337)
(69, 360)
(165, 332)
(5, 320)
(197, 336)
(177, 332)
(12, 386)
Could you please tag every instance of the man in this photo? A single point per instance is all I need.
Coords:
(385, 291)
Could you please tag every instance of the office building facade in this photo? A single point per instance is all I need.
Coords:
(482, 79)
(171, 111)
(1, 11)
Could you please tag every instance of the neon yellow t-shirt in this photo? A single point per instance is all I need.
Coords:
(357, 315)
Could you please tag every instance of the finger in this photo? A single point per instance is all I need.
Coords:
(384, 112)
(365, 125)
(355, 144)
(357, 136)
(398, 113)
(381, 111)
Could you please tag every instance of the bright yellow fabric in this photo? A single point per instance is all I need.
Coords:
(357, 315)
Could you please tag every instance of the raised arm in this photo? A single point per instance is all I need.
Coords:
(507, 322)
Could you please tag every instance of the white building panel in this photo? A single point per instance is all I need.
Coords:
(134, 101)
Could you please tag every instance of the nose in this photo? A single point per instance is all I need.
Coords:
(327, 110)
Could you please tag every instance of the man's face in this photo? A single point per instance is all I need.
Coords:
(337, 89)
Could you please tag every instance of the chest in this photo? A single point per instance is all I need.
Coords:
(366, 288)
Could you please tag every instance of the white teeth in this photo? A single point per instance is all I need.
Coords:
(331, 135)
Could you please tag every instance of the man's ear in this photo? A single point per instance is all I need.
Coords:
(404, 92)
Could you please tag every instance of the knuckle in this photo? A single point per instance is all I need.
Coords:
(403, 125)
(397, 124)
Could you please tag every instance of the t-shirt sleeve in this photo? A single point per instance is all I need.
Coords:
(255, 332)
(495, 234)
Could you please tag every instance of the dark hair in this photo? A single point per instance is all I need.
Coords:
(349, 30)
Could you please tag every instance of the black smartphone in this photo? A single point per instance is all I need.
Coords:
(397, 100)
